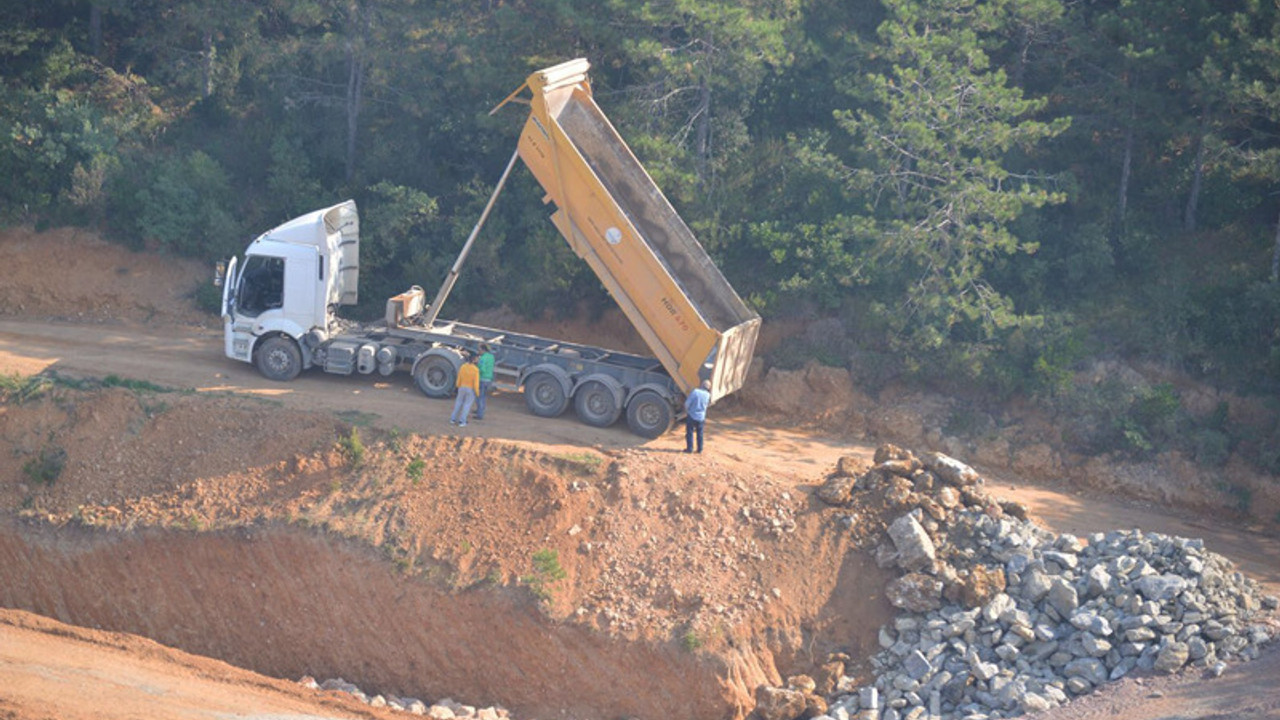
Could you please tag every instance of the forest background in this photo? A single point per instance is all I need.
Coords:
(978, 197)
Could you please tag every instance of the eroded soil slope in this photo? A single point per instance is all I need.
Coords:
(295, 543)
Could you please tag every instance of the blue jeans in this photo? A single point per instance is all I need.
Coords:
(693, 427)
(462, 406)
(484, 393)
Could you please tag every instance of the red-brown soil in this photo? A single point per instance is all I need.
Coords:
(234, 521)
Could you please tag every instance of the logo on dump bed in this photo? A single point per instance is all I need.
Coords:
(613, 236)
(675, 314)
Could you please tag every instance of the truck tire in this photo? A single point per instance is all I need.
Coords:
(436, 376)
(596, 404)
(278, 358)
(649, 415)
(544, 395)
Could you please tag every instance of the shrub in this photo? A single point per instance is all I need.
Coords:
(414, 470)
(208, 298)
(690, 641)
(1210, 447)
(352, 446)
(19, 389)
(546, 571)
(185, 207)
(46, 467)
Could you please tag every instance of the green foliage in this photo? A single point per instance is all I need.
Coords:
(546, 571)
(690, 641)
(940, 189)
(291, 178)
(18, 389)
(113, 380)
(352, 446)
(46, 466)
(584, 462)
(415, 469)
(208, 297)
(1211, 448)
(186, 207)
(1113, 416)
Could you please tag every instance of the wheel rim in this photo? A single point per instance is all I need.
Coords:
(598, 401)
(436, 376)
(278, 360)
(545, 393)
(648, 414)
(596, 404)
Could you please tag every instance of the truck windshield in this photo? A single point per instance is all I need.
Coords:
(261, 285)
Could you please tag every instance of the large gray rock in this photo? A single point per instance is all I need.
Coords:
(1036, 583)
(774, 703)
(1091, 669)
(915, 548)
(1063, 598)
(1094, 646)
(1160, 587)
(999, 606)
(915, 592)
(1090, 621)
(837, 490)
(1172, 657)
(950, 470)
(1099, 580)
(916, 665)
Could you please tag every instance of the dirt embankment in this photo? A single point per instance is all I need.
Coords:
(291, 543)
(257, 531)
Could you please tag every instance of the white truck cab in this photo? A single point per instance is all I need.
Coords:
(292, 278)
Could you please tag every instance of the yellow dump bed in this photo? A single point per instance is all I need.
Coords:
(616, 218)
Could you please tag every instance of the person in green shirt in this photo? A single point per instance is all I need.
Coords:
(468, 384)
(485, 364)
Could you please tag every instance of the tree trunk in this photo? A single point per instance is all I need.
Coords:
(357, 43)
(355, 87)
(1197, 176)
(704, 131)
(95, 30)
(209, 58)
(1275, 256)
(1126, 168)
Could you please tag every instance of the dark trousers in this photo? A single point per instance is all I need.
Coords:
(693, 427)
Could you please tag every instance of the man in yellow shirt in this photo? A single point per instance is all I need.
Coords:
(468, 384)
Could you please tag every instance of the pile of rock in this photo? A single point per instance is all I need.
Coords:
(1004, 618)
(446, 709)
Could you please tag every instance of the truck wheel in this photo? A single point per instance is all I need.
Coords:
(596, 404)
(436, 377)
(278, 358)
(649, 414)
(544, 395)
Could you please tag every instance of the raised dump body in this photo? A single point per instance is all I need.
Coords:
(615, 217)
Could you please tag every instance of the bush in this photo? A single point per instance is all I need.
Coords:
(46, 467)
(184, 207)
(352, 446)
(546, 570)
(1211, 447)
(208, 298)
(19, 389)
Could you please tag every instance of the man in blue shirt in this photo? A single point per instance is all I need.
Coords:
(695, 408)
